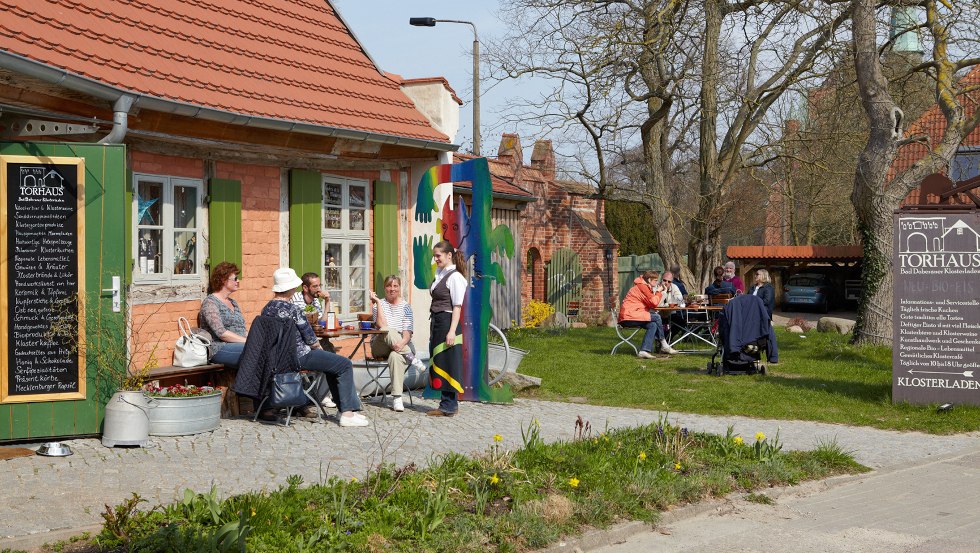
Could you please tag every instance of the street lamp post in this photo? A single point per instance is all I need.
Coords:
(431, 22)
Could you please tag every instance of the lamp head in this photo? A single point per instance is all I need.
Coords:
(422, 21)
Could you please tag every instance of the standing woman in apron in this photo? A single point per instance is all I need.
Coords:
(445, 329)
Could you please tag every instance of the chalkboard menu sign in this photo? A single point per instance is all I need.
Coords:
(42, 273)
(936, 324)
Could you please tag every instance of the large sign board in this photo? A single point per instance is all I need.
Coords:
(41, 273)
(936, 355)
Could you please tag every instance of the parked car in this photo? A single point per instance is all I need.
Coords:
(807, 290)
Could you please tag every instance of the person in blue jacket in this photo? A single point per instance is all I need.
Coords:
(764, 290)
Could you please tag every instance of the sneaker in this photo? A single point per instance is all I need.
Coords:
(328, 403)
(418, 364)
(645, 355)
(397, 404)
(669, 350)
(354, 421)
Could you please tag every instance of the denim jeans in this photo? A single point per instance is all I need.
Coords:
(228, 354)
(654, 333)
(339, 374)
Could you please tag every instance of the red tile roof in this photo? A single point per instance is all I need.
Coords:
(500, 174)
(839, 253)
(292, 61)
(932, 124)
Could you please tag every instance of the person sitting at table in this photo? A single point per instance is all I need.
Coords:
(310, 294)
(672, 293)
(763, 289)
(636, 311)
(675, 269)
(393, 315)
(720, 285)
(222, 318)
(731, 277)
(337, 369)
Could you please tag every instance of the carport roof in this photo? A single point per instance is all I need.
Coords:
(788, 253)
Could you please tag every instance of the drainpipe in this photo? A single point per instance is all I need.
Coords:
(120, 120)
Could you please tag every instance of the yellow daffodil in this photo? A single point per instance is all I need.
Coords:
(643, 455)
(494, 479)
(353, 479)
(759, 436)
(253, 512)
(677, 466)
(498, 438)
(573, 482)
(738, 440)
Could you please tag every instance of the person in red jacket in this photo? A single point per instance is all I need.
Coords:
(636, 311)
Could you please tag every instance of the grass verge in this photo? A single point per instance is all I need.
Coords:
(820, 377)
(501, 500)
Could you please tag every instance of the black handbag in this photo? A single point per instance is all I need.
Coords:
(286, 390)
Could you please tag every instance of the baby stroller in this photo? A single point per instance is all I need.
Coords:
(744, 332)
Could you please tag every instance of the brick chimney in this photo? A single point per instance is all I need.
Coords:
(543, 158)
(510, 150)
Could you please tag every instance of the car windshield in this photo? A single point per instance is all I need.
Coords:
(808, 280)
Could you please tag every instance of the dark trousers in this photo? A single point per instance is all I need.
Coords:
(339, 375)
(450, 360)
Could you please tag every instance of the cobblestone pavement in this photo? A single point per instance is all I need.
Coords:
(41, 494)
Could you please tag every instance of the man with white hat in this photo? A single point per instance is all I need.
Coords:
(337, 369)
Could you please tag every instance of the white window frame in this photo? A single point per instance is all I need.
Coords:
(167, 276)
(347, 239)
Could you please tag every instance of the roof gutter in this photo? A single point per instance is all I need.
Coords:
(120, 120)
(77, 83)
(499, 195)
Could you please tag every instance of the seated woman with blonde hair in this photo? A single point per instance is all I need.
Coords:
(393, 315)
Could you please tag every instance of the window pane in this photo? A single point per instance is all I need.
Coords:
(358, 196)
(332, 260)
(149, 203)
(358, 255)
(965, 166)
(150, 251)
(357, 301)
(185, 207)
(185, 253)
(334, 195)
(331, 218)
(357, 219)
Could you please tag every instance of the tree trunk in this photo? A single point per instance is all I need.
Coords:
(704, 251)
(874, 211)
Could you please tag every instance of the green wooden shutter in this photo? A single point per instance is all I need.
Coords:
(305, 220)
(385, 232)
(225, 223)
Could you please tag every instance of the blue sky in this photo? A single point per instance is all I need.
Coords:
(444, 50)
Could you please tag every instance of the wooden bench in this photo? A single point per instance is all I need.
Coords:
(202, 375)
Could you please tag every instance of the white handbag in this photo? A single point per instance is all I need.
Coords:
(191, 349)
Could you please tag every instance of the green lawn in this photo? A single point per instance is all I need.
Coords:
(819, 378)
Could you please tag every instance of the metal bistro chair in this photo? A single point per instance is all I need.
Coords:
(311, 380)
(631, 332)
(379, 376)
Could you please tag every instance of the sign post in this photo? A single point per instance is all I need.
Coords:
(936, 355)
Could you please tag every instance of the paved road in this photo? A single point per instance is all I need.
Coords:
(927, 507)
(42, 494)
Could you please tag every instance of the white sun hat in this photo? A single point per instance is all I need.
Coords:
(285, 279)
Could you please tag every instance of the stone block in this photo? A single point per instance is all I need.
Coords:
(835, 324)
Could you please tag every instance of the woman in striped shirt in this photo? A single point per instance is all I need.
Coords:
(394, 315)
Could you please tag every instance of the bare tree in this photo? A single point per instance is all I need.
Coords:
(876, 193)
(646, 73)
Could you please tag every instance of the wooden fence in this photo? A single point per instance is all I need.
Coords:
(632, 266)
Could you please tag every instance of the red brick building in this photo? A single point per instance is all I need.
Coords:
(565, 215)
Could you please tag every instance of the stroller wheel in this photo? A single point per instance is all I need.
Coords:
(711, 367)
(762, 369)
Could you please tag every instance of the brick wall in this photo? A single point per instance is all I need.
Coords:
(154, 325)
